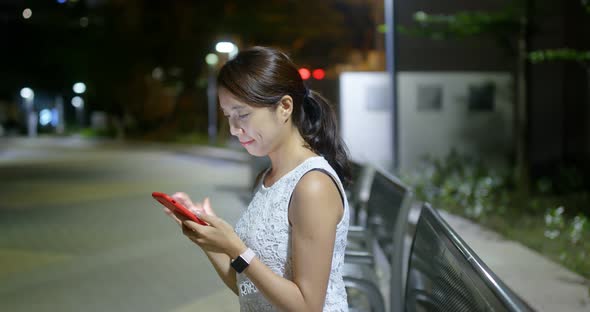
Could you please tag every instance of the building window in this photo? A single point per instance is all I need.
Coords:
(482, 97)
(429, 97)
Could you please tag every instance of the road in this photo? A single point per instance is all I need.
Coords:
(79, 230)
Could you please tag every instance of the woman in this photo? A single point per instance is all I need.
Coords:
(287, 250)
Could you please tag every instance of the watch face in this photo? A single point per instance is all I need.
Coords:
(239, 264)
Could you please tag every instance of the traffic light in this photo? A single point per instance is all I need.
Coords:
(305, 73)
(317, 74)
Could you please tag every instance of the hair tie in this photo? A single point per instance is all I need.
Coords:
(307, 91)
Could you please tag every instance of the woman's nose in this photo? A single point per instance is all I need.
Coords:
(234, 128)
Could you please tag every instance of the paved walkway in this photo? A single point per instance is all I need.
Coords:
(545, 285)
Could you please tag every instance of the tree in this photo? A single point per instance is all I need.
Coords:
(577, 56)
(178, 35)
(510, 28)
(124, 41)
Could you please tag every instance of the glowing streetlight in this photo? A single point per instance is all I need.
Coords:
(224, 47)
(79, 87)
(45, 117)
(212, 59)
(77, 102)
(28, 101)
(27, 93)
(227, 47)
(27, 13)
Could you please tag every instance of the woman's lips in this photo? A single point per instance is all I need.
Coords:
(247, 142)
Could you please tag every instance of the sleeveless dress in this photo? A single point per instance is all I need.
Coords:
(264, 227)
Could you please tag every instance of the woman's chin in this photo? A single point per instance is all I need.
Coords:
(255, 152)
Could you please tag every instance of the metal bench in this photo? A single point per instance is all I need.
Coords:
(444, 273)
(376, 257)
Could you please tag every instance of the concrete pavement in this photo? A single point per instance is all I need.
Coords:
(545, 285)
(80, 232)
(67, 260)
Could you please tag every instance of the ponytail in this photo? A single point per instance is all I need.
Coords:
(318, 126)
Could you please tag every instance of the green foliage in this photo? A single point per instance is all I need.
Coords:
(550, 222)
(462, 24)
(463, 183)
(559, 55)
(563, 54)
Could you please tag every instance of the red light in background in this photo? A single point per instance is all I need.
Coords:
(305, 73)
(319, 74)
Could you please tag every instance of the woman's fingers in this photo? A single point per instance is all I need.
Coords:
(192, 233)
(187, 231)
(183, 198)
(178, 218)
(172, 215)
(207, 207)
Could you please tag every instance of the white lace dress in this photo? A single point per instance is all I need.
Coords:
(264, 227)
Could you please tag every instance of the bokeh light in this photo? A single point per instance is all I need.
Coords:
(212, 59)
(79, 87)
(305, 73)
(27, 13)
(45, 117)
(318, 74)
(77, 102)
(27, 93)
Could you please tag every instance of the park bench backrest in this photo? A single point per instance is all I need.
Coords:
(388, 208)
(359, 191)
(388, 197)
(445, 274)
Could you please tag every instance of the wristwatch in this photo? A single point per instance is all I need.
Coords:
(242, 261)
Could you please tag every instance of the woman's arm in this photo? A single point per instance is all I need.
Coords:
(221, 263)
(315, 210)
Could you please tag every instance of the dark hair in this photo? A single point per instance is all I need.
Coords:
(261, 76)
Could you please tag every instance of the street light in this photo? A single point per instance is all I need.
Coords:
(79, 88)
(212, 59)
(27, 93)
(28, 96)
(227, 47)
(78, 101)
(27, 13)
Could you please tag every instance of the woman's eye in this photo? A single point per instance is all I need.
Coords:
(243, 116)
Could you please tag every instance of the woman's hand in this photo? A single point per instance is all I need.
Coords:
(218, 237)
(186, 201)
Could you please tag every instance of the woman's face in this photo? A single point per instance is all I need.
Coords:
(258, 129)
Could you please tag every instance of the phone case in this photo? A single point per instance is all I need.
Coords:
(172, 204)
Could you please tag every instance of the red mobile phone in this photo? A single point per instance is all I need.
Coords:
(172, 204)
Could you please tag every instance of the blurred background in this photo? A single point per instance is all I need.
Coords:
(482, 106)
